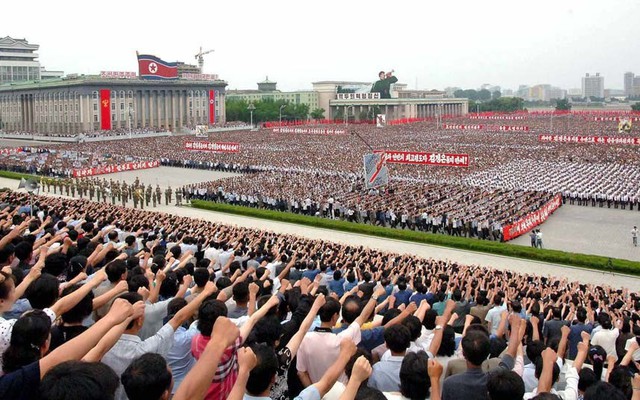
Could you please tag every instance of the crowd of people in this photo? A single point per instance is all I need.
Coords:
(510, 174)
(106, 302)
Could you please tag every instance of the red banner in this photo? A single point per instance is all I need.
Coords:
(212, 106)
(505, 128)
(311, 131)
(105, 109)
(414, 157)
(590, 139)
(532, 220)
(463, 127)
(112, 169)
(219, 147)
(10, 150)
(500, 117)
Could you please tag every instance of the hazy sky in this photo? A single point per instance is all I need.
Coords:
(438, 43)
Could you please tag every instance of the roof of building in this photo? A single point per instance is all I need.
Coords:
(8, 41)
(95, 80)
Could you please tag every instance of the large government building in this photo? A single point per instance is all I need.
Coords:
(73, 104)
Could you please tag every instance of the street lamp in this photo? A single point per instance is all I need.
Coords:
(478, 108)
(251, 108)
(281, 107)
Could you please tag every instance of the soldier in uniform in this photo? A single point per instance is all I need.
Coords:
(135, 199)
(140, 194)
(154, 198)
(148, 193)
(136, 183)
(67, 188)
(55, 184)
(48, 182)
(158, 195)
(167, 196)
(73, 188)
(125, 193)
(178, 197)
(115, 191)
(97, 188)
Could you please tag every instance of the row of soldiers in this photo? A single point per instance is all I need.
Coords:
(117, 191)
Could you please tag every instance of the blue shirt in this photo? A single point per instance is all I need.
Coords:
(179, 357)
(337, 287)
(311, 274)
(369, 338)
(402, 297)
(350, 285)
(386, 374)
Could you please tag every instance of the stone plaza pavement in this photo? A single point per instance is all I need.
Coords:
(397, 246)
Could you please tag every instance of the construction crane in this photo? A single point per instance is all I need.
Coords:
(200, 57)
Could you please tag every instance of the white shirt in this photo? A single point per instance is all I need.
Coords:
(606, 339)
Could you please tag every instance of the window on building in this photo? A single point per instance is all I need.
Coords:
(95, 107)
(95, 118)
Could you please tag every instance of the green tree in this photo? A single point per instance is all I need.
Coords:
(563, 105)
(317, 113)
(484, 95)
(496, 95)
(635, 107)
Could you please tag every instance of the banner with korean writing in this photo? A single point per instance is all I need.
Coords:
(505, 128)
(461, 127)
(616, 119)
(10, 150)
(499, 117)
(610, 140)
(219, 147)
(414, 157)
(532, 220)
(311, 131)
(112, 169)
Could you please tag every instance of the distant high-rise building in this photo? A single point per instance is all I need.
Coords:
(18, 60)
(628, 83)
(593, 86)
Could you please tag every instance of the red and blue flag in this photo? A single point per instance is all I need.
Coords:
(152, 67)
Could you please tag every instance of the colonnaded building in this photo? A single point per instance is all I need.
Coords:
(73, 104)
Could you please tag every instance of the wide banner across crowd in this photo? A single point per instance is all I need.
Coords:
(218, 147)
(460, 127)
(616, 119)
(532, 220)
(589, 139)
(112, 169)
(499, 117)
(10, 150)
(310, 131)
(413, 157)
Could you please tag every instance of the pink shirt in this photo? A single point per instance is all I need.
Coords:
(319, 350)
(227, 372)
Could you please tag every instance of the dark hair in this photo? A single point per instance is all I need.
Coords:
(597, 356)
(169, 286)
(29, 334)
(79, 380)
(147, 377)
(534, 350)
(329, 309)
(6, 285)
(241, 292)
(397, 338)
(556, 370)
(476, 347)
(368, 393)
(55, 264)
(175, 305)
(351, 309)
(115, 269)
(603, 391)
(208, 313)
(620, 377)
(262, 375)
(200, 276)
(586, 378)
(133, 298)
(429, 321)
(414, 325)
(414, 378)
(505, 385)
(43, 292)
(135, 282)
(448, 345)
(81, 310)
(267, 330)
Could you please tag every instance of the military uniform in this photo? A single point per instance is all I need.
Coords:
(139, 194)
(148, 194)
(167, 196)
(115, 192)
(158, 195)
(178, 198)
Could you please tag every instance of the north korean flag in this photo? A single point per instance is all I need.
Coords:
(152, 67)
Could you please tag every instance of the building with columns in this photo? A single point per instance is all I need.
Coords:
(72, 105)
(403, 104)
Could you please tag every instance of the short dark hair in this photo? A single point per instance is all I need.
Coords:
(115, 269)
(208, 313)
(415, 326)
(137, 281)
(267, 330)
(241, 292)
(476, 347)
(603, 391)
(539, 365)
(586, 378)
(147, 377)
(55, 264)
(200, 276)
(43, 292)
(505, 385)
(414, 378)
(397, 338)
(81, 310)
(329, 309)
(262, 375)
(79, 380)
